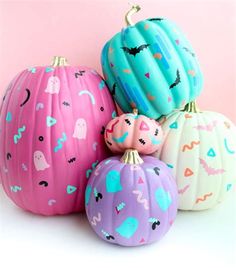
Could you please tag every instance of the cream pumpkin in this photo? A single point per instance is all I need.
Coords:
(200, 149)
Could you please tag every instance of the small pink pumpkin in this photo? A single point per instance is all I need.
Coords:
(52, 124)
(133, 131)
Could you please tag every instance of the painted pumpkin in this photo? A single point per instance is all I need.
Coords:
(131, 201)
(200, 148)
(52, 125)
(133, 131)
(151, 66)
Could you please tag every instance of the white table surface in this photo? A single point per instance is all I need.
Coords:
(196, 239)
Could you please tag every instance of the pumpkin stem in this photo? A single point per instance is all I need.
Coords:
(59, 61)
(134, 9)
(191, 107)
(132, 157)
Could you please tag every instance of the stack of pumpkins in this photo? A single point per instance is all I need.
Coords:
(135, 198)
(53, 120)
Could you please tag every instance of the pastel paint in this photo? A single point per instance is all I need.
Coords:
(40, 161)
(113, 183)
(128, 227)
(52, 132)
(80, 130)
(163, 199)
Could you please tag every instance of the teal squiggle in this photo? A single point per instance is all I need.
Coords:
(19, 136)
(59, 142)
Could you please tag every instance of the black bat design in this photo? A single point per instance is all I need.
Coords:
(109, 143)
(157, 170)
(156, 132)
(27, 98)
(110, 237)
(177, 80)
(155, 224)
(44, 183)
(113, 91)
(142, 141)
(135, 50)
(190, 52)
(103, 130)
(127, 121)
(71, 160)
(79, 73)
(66, 103)
(158, 19)
(98, 196)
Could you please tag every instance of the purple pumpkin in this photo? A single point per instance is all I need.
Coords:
(131, 200)
(52, 124)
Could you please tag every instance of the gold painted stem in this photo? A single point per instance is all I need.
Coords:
(131, 157)
(191, 107)
(59, 61)
(134, 9)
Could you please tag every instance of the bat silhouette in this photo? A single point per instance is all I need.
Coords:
(158, 19)
(113, 91)
(190, 52)
(135, 50)
(177, 80)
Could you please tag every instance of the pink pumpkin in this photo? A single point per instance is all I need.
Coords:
(133, 131)
(52, 125)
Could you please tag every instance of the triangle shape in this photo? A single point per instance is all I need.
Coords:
(140, 180)
(211, 153)
(188, 172)
(174, 125)
(51, 121)
(142, 240)
(147, 75)
(144, 126)
(71, 189)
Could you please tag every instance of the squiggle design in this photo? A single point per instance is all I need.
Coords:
(88, 93)
(96, 219)
(227, 148)
(191, 146)
(209, 170)
(208, 127)
(18, 136)
(112, 128)
(140, 199)
(24, 167)
(59, 142)
(120, 207)
(15, 188)
(122, 138)
(203, 198)
(183, 190)
(89, 171)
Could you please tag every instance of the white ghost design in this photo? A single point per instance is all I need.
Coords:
(53, 86)
(40, 162)
(80, 129)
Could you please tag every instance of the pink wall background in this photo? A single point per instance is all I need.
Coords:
(32, 32)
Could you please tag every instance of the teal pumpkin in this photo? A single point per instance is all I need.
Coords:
(152, 67)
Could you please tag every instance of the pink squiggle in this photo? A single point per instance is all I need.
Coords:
(208, 127)
(210, 170)
(183, 190)
(140, 199)
(96, 219)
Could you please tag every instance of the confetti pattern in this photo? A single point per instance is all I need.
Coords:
(50, 139)
(133, 131)
(152, 67)
(131, 213)
(201, 153)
